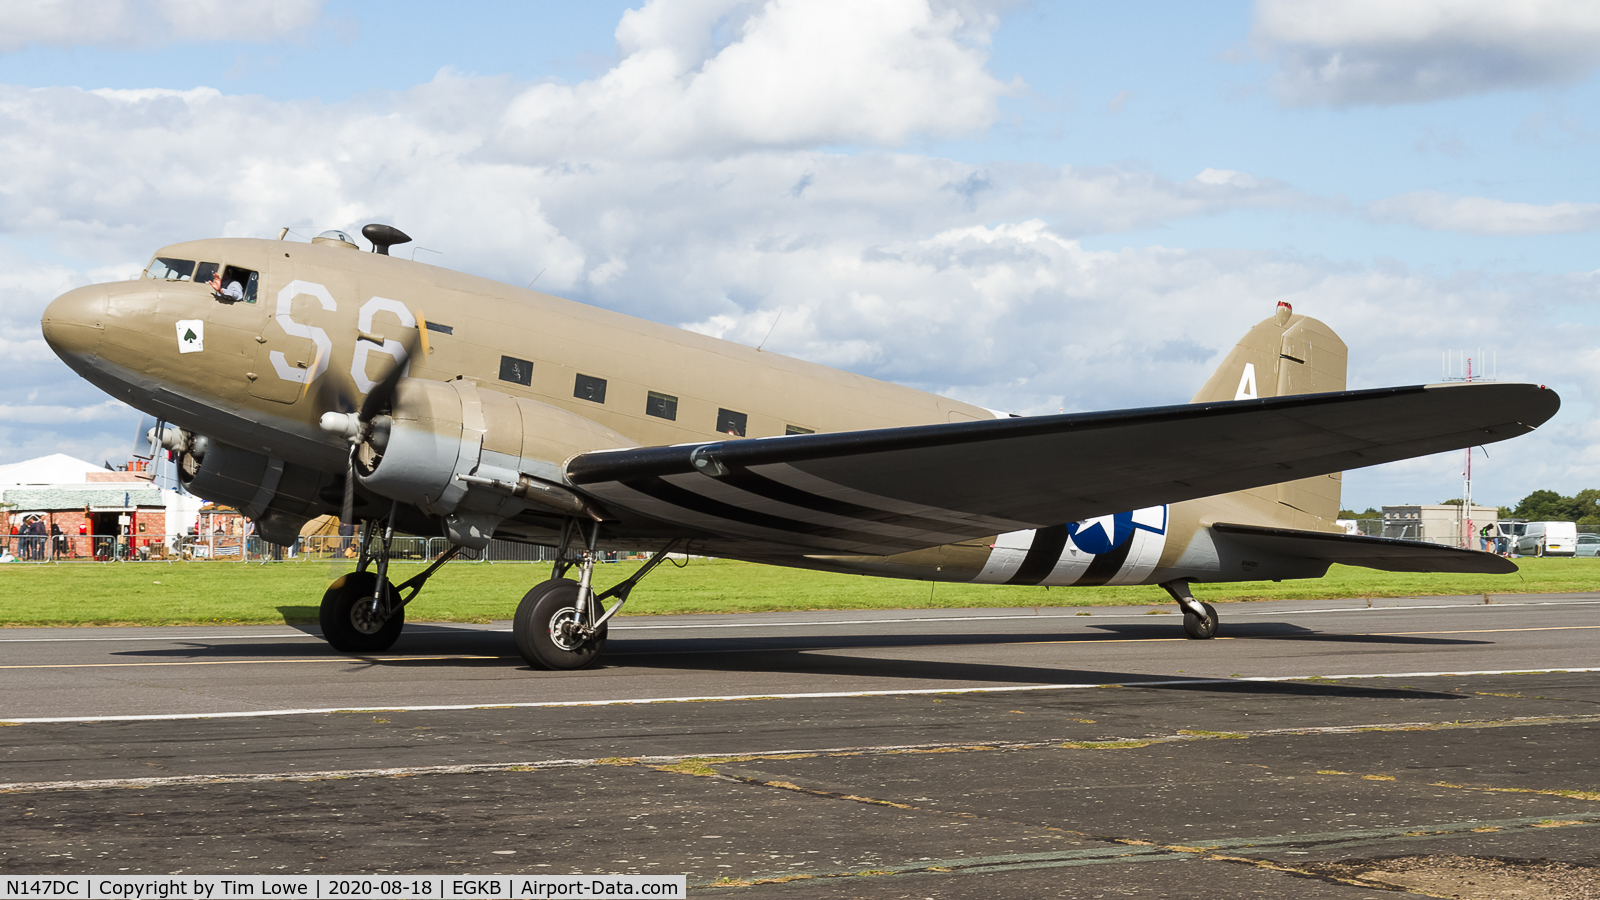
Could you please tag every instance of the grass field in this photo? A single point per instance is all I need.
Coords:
(252, 593)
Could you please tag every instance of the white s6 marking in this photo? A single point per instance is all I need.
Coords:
(358, 365)
(294, 329)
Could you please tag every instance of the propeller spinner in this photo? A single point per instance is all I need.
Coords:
(356, 425)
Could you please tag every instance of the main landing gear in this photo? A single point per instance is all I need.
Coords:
(1199, 619)
(561, 623)
(363, 612)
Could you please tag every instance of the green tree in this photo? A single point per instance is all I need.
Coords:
(1547, 506)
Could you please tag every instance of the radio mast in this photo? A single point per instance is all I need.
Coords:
(1465, 533)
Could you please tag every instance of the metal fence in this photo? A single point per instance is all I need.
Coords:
(87, 548)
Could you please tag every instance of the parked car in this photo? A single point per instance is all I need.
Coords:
(1589, 545)
(1549, 539)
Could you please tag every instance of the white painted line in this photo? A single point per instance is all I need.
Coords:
(820, 695)
(169, 638)
(580, 762)
(1230, 611)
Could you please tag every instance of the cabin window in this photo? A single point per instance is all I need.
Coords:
(516, 371)
(796, 429)
(591, 388)
(204, 271)
(662, 406)
(447, 329)
(164, 268)
(730, 422)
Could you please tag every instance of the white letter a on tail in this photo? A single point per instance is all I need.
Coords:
(1247, 383)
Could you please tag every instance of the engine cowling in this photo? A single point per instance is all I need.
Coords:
(476, 456)
(279, 497)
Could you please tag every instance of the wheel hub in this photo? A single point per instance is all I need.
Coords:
(565, 630)
(366, 619)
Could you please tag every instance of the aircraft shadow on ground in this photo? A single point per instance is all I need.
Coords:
(1281, 631)
(300, 616)
(800, 661)
(792, 655)
(429, 639)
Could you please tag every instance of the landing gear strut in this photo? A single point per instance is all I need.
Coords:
(1199, 619)
(560, 623)
(363, 612)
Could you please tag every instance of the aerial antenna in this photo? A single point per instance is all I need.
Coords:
(383, 237)
(429, 249)
(1459, 367)
(769, 330)
(536, 277)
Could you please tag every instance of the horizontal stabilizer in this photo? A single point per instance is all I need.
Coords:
(895, 489)
(1386, 554)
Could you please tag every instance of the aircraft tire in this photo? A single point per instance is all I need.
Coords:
(346, 627)
(542, 609)
(1201, 629)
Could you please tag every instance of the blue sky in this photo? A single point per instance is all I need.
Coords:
(1030, 206)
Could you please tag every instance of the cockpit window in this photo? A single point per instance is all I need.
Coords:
(238, 285)
(164, 268)
(232, 284)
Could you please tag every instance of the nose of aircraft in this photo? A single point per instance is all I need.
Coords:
(74, 322)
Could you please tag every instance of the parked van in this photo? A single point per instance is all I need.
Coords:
(1549, 539)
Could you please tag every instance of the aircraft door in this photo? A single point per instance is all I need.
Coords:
(294, 346)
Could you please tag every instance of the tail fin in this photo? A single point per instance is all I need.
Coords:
(1286, 354)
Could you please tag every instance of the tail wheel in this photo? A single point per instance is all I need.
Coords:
(348, 622)
(1201, 629)
(546, 628)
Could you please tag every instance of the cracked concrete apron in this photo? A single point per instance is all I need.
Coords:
(1173, 787)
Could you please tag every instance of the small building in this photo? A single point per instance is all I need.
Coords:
(92, 511)
(1443, 523)
(105, 521)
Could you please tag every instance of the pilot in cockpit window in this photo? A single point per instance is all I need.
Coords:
(234, 285)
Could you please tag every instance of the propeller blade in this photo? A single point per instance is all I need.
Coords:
(347, 513)
(383, 392)
(316, 363)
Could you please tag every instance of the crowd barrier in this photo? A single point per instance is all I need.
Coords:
(75, 548)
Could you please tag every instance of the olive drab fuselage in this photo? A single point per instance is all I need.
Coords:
(535, 380)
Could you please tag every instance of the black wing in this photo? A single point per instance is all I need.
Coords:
(1387, 554)
(895, 489)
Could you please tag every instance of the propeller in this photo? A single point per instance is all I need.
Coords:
(355, 424)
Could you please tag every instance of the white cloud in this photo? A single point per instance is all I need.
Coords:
(1484, 215)
(795, 74)
(152, 23)
(663, 189)
(1346, 52)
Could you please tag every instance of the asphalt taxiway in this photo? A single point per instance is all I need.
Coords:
(887, 754)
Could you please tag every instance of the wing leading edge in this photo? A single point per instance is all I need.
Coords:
(889, 490)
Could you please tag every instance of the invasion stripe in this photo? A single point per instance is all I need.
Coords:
(1106, 565)
(1043, 553)
(760, 485)
(682, 497)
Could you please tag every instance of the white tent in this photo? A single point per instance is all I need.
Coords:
(57, 468)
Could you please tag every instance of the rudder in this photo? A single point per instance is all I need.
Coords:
(1283, 355)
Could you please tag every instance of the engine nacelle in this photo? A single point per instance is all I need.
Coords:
(455, 450)
(279, 497)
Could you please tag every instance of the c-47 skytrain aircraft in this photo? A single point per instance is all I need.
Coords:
(295, 380)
